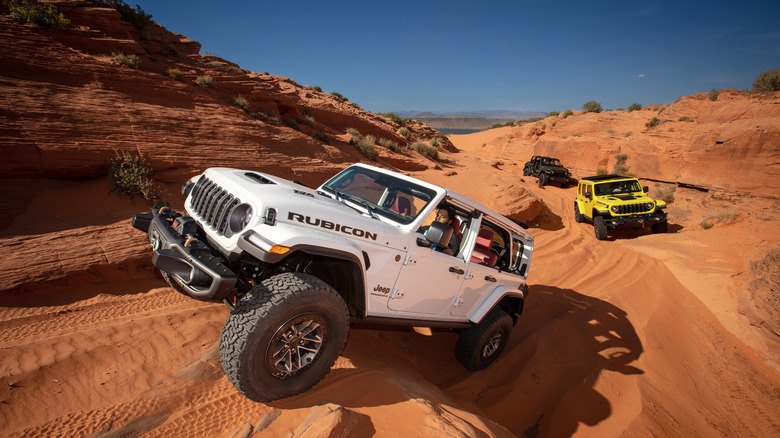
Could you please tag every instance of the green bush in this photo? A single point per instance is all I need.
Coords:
(267, 116)
(205, 81)
(634, 107)
(317, 88)
(406, 132)
(652, 123)
(553, 114)
(426, 150)
(567, 113)
(713, 95)
(436, 142)
(393, 146)
(767, 81)
(393, 117)
(665, 194)
(620, 167)
(306, 119)
(135, 16)
(240, 102)
(339, 96)
(364, 145)
(132, 176)
(591, 107)
(41, 14)
(132, 61)
(176, 74)
(321, 136)
(686, 119)
(601, 171)
(289, 121)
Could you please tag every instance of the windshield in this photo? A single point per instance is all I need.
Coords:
(618, 187)
(380, 194)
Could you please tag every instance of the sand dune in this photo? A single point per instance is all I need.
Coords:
(635, 336)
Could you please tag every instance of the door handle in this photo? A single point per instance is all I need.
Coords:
(490, 278)
(457, 270)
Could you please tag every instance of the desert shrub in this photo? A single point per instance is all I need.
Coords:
(370, 139)
(767, 81)
(317, 88)
(686, 119)
(576, 134)
(723, 216)
(266, 116)
(364, 147)
(436, 142)
(406, 132)
(591, 107)
(713, 94)
(553, 113)
(426, 150)
(652, 123)
(240, 102)
(392, 145)
(567, 113)
(176, 74)
(554, 123)
(627, 134)
(601, 171)
(306, 119)
(135, 16)
(339, 96)
(392, 116)
(289, 121)
(205, 81)
(665, 194)
(634, 107)
(620, 167)
(41, 14)
(132, 61)
(132, 176)
(353, 132)
(611, 132)
(321, 136)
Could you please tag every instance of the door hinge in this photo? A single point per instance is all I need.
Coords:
(408, 260)
(396, 294)
(458, 302)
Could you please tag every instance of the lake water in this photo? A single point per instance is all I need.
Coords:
(452, 131)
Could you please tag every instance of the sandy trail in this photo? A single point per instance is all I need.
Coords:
(619, 338)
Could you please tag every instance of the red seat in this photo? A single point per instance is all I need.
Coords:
(482, 253)
(402, 206)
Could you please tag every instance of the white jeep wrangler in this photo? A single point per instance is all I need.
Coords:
(297, 266)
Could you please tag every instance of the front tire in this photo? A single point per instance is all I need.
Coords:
(600, 227)
(660, 227)
(542, 179)
(479, 346)
(283, 336)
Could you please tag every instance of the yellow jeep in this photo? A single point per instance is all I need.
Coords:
(613, 201)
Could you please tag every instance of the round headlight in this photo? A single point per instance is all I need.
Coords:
(614, 209)
(650, 205)
(240, 217)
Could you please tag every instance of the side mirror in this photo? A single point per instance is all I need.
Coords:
(438, 234)
(646, 189)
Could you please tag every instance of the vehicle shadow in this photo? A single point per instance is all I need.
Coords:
(633, 233)
(559, 348)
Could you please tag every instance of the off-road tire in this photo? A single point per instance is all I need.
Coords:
(274, 315)
(577, 214)
(600, 228)
(479, 346)
(526, 171)
(542, 179)
(660, 227)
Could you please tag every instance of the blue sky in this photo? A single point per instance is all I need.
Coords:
(450, 56)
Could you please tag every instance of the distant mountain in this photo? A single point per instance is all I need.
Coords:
(469, 119)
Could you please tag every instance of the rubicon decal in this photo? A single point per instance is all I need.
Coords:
(322, 223)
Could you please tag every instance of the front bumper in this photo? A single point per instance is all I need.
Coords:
(634, 220)
(561, 179)
(190, 262)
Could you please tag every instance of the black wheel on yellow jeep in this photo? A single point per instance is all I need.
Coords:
(577, 214)
(660, 227)
(479, 346)
(283, 336)
(600, 227)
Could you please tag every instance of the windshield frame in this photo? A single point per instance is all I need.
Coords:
(345, 187)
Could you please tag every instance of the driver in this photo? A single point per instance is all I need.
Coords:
(446, 215)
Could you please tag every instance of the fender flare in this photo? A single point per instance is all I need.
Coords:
(495, 297)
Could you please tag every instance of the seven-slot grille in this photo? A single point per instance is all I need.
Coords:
(632, 208)
(212, 204)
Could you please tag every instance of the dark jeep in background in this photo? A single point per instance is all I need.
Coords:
(548, 170)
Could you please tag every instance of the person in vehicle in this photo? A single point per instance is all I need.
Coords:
(446, 215)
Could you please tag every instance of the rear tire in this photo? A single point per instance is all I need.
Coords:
(577, 214)
(600, 227)
(283, 336)
(479, 346)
